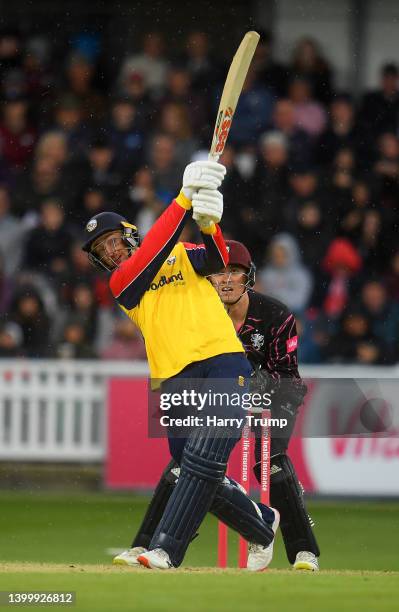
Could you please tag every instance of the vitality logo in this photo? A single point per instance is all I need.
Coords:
(166, 280)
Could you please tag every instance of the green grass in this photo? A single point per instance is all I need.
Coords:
(75, 530)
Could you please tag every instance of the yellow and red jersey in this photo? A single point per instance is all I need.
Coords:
(163, 288)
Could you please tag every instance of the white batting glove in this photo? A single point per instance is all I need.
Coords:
(207, 207)
(202, 175)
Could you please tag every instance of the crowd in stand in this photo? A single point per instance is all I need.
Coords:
(312, 188)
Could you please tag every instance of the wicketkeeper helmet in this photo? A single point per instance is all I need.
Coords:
(240, 256)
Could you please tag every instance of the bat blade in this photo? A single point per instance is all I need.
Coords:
(231, 92)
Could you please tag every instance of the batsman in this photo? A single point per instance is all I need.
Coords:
(163, 287)
(268, 333)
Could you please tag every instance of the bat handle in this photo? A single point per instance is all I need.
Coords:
(203, 219)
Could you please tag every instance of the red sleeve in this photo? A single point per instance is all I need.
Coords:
(210, 257)
(129, 282)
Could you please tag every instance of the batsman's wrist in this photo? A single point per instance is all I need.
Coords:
(209, 230)
(183, 200)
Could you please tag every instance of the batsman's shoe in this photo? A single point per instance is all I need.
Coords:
(129, 557)
(259, 557)
(155, 559)
(306, 561)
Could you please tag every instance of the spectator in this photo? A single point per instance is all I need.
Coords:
(355, 341)
(11, 338)
(27, 311)
(313, 232)
(74, 344)
(254, 113)
(204, 68)
(380, 108)
(271, 74)
(383, 315)
(392, 277)
(125, 135)
(299, 143)
(166, 172)
(69, 119)
(126, 343)
(80, 74)
(284, 276)
(179, 91)
(386, 170)
(340, 264)
(175, 123)
(102, 171)
(150, 64)
(11, 236)
(146, 206)
(310, 115)
(6, 287)
(17, 137)
(342, 131)
(309, 62)
(271, 193)
(48, 245)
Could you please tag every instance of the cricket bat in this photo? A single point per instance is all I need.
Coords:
(231, 92)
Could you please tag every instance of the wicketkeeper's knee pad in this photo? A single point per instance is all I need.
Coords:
(286, 494)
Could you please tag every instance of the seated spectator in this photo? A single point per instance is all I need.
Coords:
(254, 112)
(45, 180)
(6, 286)
(143, 206)
(179, 91)
(342, 131)
(383, 314)
(74, 344)
(204, 67)
(386, 170)
(392, 277)
(102, 171)
(47, 245)
(11, 235)
(263, 214)
(127, 343)
(333, 291)
(17, 136)
(271, 73)
(308, 61)
(11, 338)
(134, 88)
(299, 143)
(80, 73)
(310, 115)
(380, 108)
(125, 135)
(93, 202)
(175, 122)
(284, 277)
(69, 119)
(166, 172)
(352, 212)
(304, 185)
(27, 310)
(373, 243)
(355, 342)
(313, 232)
(150, 64)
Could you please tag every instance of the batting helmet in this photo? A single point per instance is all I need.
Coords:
(108, 222)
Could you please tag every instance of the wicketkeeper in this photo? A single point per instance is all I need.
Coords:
(268, 332)
(162, 286)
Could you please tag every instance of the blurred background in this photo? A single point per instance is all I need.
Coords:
(102, 106)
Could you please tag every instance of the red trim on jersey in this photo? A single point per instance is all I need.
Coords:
(155, 240)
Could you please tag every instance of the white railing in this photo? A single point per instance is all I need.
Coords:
(55, 410)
